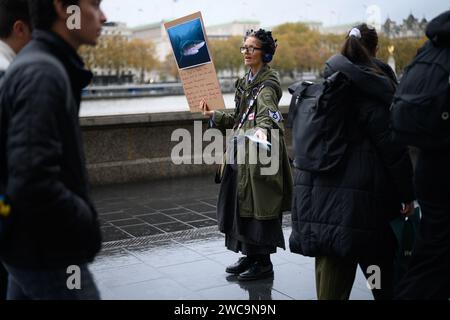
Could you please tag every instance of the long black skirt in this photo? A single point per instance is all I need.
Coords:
(247, 235)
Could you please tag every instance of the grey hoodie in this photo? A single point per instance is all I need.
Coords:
(7, 55)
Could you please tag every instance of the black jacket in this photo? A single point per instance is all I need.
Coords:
(53, 221)
(438, 30)
(433, 171)
(344, 212)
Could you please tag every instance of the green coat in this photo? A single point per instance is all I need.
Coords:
(260, 197)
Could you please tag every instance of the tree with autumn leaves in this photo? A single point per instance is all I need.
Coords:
(169, 68)
(118, 55)
(404, 50)
(300, 49)
(226, 55)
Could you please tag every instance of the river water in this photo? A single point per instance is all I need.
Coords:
(110, 107)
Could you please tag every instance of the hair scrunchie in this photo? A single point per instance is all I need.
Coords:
(355, 32)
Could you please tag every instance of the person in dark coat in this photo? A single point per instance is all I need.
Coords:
(342, 217)
(15, 33)
(52, 230)
(251, 205)
(427, 276)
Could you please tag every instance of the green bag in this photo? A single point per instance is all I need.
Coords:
(405, 230)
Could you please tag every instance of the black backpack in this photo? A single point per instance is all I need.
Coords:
(318, 118)
(421, 106)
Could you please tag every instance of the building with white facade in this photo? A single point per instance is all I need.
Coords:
(338, 29)
(411, 27)
(235, 28)
(156, 33)
(111, 29)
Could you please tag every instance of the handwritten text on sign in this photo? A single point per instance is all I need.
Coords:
(201, 83)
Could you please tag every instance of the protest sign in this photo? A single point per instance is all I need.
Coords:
(197, 72)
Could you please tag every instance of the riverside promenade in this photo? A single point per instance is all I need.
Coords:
(161, 243)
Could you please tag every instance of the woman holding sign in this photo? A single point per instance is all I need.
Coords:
(252, 200)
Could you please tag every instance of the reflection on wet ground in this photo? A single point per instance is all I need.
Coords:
(161, 243)
(194, 269)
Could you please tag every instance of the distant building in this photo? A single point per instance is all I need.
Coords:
(231, 29)
(106, 76)
(410, 28)
(313, 25)
(111, 29)
(338, 29)
(156, 33)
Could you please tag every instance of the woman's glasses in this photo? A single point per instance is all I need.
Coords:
(250, 50)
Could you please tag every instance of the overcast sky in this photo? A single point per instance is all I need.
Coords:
(270, 12)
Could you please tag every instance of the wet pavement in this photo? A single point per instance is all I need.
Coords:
(161, 243)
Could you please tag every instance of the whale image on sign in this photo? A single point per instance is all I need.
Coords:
(189, 45)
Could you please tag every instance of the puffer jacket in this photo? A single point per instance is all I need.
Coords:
(345, 212)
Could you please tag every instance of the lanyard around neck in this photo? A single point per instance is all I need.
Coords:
(250, 106)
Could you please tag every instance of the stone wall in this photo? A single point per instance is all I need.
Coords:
(133, 148)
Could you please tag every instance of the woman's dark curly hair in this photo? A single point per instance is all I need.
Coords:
(268, 43)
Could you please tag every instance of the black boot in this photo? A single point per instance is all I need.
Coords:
(240, 266)
(261, 269)
(256, 272)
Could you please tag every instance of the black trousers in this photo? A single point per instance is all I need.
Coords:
(3, 282)
(49, 284)
(428, 276)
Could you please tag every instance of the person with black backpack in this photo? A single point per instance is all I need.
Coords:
(350, 179)
(421, 118)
